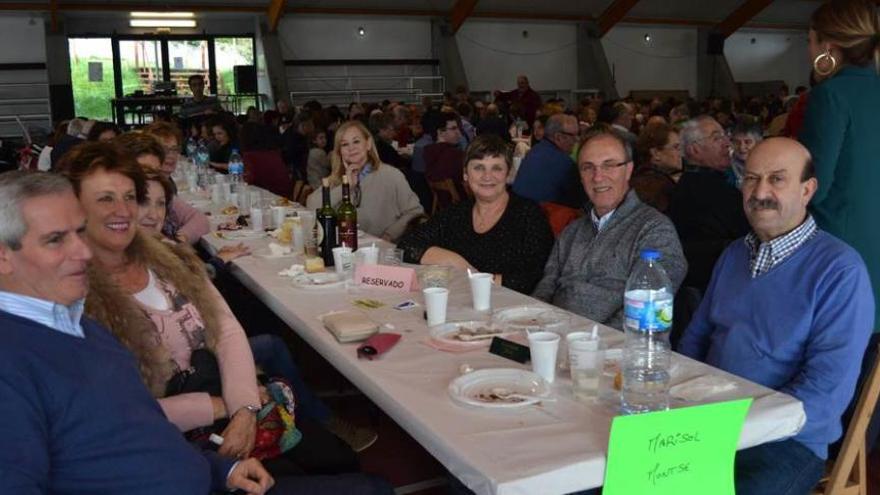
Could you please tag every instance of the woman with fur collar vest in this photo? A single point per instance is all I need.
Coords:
(157, 299)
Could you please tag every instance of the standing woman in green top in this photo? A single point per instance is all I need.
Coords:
(841, 131)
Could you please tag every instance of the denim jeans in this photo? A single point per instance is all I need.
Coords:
(778, 468)
(271, 354)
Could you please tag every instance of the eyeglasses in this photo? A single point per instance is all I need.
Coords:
(716, 137)
(590, 168)
(572, 135)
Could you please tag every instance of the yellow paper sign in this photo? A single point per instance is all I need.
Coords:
(681, 451)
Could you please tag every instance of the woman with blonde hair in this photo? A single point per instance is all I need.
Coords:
(840, 130)
(384, 201)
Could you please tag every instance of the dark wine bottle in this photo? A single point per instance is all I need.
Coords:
(326, 225)
(346, 218)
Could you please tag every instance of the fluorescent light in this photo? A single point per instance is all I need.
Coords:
(178, 23)
(165, 15)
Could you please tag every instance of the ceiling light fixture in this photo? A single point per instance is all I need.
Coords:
(647, 38)
(165, 15)
(361, 31)
(162, 23)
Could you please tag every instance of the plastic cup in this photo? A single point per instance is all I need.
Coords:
(279, 213)
(434, 276)
(392, 257)
(342, 260)
(435, 304)
(257, 219)
(217, 194)
(586, 360)
(481, 290)
(543, 347)
(370, 254)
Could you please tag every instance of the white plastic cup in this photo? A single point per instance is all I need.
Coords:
(586, 361)
(543, 347)
(233, 200)
(217, 194)
(342, 259)
(371, 254)
(435, 305)
(481, 290)
(227, 191)
(279, 213)
(257, 219)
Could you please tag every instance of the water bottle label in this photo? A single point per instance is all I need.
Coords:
(647, 316)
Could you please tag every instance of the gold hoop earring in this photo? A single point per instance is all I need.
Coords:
(820, 59)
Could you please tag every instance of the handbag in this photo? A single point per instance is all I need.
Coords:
(276, 427)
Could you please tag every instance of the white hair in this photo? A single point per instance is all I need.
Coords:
(16, 187)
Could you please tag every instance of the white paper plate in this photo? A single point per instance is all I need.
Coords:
(202, 205)
(475, 389)
(265, 253)
(446, 332)
(531, 318)
(240, 235)
(318, 281)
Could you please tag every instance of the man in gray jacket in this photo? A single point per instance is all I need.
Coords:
(588, 267)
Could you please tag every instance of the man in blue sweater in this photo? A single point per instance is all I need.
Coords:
(789, 307)
(75, 416)
(547, 173)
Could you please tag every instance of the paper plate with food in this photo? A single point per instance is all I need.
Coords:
(466, 333)
(239, 235)
(499, 388)
(319, 280)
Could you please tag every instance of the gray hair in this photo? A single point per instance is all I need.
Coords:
(748, 129)
(555, 124)
(16, 187)
(690, 131)
(608, 131)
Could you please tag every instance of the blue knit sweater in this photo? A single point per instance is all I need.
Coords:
(75, 418)
(800, 328)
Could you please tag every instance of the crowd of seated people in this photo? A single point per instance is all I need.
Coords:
(755, 205)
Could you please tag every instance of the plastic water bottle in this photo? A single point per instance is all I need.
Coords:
(191, 146)
(647, 322)
(201, 158)
(236, 168)
(202, 153)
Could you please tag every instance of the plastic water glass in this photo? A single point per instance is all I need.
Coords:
(586, 361)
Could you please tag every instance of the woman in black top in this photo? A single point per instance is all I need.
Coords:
(225, 138)
(494, 232)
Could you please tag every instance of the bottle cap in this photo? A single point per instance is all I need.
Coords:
(650, 254)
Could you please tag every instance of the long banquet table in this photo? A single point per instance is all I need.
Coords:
(553, 447)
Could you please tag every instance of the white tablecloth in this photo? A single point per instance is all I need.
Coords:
(554, 447)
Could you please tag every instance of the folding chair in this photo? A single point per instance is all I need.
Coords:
(447, 187)
(849, 475)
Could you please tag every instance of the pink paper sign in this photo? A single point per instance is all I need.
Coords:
(394, 278)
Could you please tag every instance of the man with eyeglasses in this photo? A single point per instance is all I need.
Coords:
(547, 173)
(444, 160)
(705, 206)
(592, 259)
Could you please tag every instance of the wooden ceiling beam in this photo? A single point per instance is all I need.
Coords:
(256, 9)
(739, 17)
(614, 14)
(53, 15)
(460, 12)
(276, 10)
